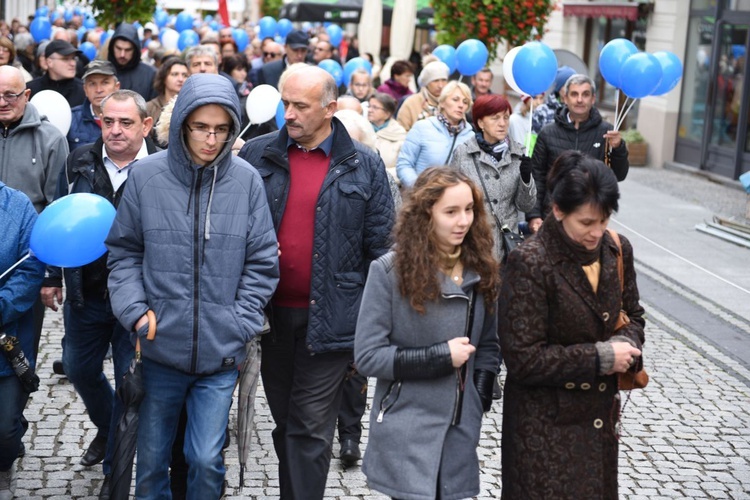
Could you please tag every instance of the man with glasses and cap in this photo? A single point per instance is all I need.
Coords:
(61, 59)
(296, 51)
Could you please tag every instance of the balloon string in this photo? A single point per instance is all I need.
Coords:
(244, 130)
(15, 265)
(622, 118)
(528, 136)
(617, 106)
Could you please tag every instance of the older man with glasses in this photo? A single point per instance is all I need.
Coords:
(61, 58)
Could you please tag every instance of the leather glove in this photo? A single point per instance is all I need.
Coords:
(525, 169)
(484, 380)
(423, 362)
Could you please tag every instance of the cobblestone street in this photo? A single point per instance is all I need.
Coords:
(686, 436)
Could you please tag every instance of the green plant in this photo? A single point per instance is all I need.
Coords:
(632, 136)
(109, 13)
(491, 21)
(271, 7)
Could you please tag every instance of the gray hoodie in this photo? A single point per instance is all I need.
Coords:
(194, 244)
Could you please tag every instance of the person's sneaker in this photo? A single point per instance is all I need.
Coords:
(8, 483)
(104, 492)
(350, 453)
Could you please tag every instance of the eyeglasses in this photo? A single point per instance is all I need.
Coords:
(271, 54)
(4, 50)
(376, 108)
(202, 134)
(11, 98)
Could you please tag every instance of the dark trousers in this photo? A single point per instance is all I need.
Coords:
(304, 395)
(353, 403)
(12, 425)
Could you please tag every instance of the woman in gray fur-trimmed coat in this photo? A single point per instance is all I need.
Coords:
(497, 165)
(427, 332)
(559, 304)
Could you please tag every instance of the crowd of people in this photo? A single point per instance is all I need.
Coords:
(363, 238)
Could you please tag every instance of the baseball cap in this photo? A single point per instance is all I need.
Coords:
(297, 39)
(60, 47)
(563, 73)
(99, 67)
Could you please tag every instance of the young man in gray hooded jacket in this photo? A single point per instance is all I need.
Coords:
(193, 254)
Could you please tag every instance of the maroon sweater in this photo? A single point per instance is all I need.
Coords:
(307, 170)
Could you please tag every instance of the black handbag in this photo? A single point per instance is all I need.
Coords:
(510, 239)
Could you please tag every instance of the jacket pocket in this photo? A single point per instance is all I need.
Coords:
(345, 300)
(351, 205)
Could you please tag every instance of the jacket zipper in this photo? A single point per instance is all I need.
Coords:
(196, 267)
(456, 418)
(385, 404)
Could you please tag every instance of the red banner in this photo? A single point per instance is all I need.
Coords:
(224, 12)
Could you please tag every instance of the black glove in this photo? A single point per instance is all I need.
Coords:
(525, 169)
(484, 380)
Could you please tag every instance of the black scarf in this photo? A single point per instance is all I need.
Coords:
(496, 150)
(580, 253)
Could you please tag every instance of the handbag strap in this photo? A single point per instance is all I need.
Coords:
(486, 193)
(450, 151)
(620, 268)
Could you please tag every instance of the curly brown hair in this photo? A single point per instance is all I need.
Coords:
(417, 255)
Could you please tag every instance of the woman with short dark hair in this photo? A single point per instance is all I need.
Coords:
(389, 132)
(397, 86)
(559, 304)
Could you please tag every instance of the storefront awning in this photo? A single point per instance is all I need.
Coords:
(612, 10)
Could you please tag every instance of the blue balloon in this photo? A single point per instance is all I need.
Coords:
(354, 64)
(612, 57)
(334, 69)
(42, 11)
(41, 29)
(188, 38)
(640, 75)
(161, 18)
(81, 31)
(53, 17)
(534, 68)
(89, 50)
(267, 27)
(280, 40)
(78, 11)
(671, 68)
(471, 56)
(89, 23)
(71, 231)
(137, 24)
(335, 33)
(240, 38)
(214, 25)
(208, 18)
(103, 37)
(284, 27)
(184, 22)
(68, 15)
(280, 111)
(447, 54)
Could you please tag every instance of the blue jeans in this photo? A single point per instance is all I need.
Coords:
(12, 402)
(88, 334)
(208, 398)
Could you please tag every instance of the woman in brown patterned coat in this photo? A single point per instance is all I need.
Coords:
(559, 303)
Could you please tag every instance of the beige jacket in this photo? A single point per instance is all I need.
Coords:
(388, 143)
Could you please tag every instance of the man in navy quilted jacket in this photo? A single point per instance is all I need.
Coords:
(333, 213)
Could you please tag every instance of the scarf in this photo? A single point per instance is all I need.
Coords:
(578, 252)
(452, 129)
(496, 150)
(378, 128)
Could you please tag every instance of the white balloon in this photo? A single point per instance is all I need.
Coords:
(169, 38)
(55, 107)
(508, 68)
(261, 104)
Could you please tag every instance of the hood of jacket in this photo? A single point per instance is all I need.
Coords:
(201, 90)
(593, 121)
(394, 131)
(128, 32)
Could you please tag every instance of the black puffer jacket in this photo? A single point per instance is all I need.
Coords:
(135, 75)
(562, 135)
(352, 228)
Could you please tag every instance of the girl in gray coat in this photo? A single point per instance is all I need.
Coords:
(427, 332)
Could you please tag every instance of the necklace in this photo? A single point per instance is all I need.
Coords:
(452, 266)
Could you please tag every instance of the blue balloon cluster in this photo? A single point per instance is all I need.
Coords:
(638, 74)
